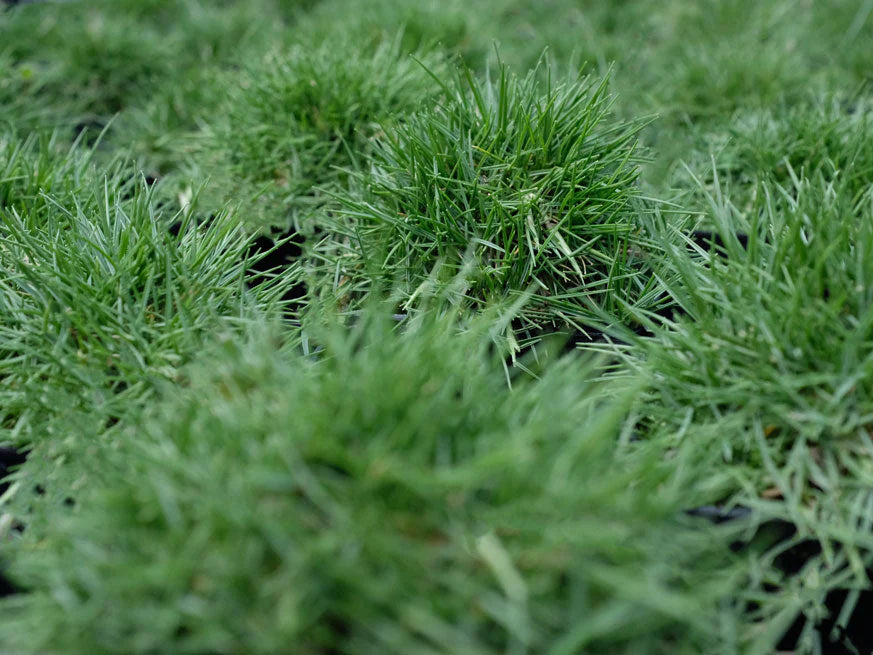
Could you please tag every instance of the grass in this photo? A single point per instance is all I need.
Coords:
(526, 178)
(300, 116)
(403, 521)
(386, 443)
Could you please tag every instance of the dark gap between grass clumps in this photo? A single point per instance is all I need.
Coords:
(855, 637)
(268, 254)
(88, 130)
(6, 586)
(268, 257)
(10, 459)
(712, 240)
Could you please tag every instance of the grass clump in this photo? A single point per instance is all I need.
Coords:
(84, 63)
(99, 301)
(794, 307)
(108, 58)
(91, 261)
(274, 499)
(527, 177)
(827, 136)
(444, 25)
(771, 366)
(18, 86)
(301, 116)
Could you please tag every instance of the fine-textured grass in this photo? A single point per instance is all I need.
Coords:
(828, 135)
(528, 178)
(413, 520)
(295, 119)
(770, 363)
(215, 465)
(99, 301)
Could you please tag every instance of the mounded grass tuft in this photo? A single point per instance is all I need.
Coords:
(296, 120)
(827, 136)
(274, 499)
(526, 176)
(770, 364)
(99, 300)
(794, 306)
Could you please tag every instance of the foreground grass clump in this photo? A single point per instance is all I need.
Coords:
(528, 177)
(275, 499)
